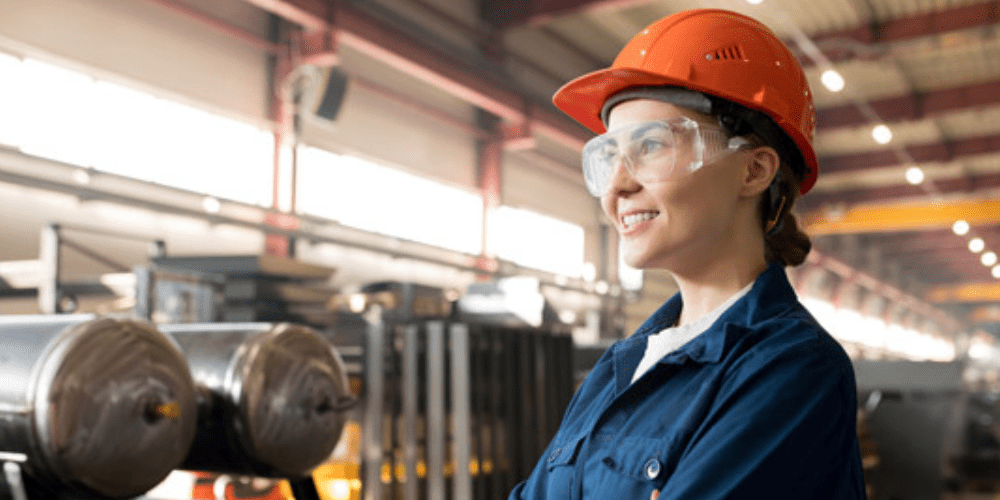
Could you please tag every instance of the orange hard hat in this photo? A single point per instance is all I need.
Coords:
(715, 52)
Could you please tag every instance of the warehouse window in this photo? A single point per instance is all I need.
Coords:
(67, 116)
(534, 240)
(368, 196)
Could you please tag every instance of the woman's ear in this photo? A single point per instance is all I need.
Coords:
(760, 170)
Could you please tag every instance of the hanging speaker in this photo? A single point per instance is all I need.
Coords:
(333, 94)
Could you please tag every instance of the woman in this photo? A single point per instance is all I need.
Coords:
(731, 389)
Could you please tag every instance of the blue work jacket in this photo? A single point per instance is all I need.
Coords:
(762, 405)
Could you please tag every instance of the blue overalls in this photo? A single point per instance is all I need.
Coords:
(762, 405)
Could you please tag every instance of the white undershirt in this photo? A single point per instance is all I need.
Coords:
(670, 339)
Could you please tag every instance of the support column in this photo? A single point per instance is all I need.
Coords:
(490, 169)
(282, 114)
(49, 255)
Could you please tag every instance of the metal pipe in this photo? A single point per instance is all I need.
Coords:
(374, 388)
(411, 393)
(460, 409)
(436, 425)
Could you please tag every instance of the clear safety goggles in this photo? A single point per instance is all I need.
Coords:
(654, 151)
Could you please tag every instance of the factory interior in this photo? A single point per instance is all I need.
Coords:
(344, 249)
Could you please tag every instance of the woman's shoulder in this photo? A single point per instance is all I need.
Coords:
(795, 338)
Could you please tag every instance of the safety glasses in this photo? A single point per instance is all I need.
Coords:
(654, 151)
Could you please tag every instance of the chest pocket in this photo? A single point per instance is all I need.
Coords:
(561, 467)
(633, 468)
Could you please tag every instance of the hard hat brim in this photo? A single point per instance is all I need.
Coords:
(582, 98)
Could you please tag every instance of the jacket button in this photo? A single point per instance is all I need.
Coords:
(652, 468)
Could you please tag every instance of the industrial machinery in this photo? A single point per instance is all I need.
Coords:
(454, 407)
(271, 397)
(926, 434)
(433, 400)
(90, 407)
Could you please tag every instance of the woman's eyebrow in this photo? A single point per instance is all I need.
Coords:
(646, 127)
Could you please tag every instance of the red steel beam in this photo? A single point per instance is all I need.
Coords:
(913, 106)
(921, 153)
(977, 15)
(410, 55)
(310, 14)
(931, 23)
(221, 25)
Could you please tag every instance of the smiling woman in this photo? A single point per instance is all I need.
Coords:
(731, 389)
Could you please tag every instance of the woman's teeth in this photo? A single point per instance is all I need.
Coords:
(632, 219)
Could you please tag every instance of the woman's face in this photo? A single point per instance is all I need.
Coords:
(683, 221)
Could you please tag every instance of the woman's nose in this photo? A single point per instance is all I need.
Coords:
(622, 180)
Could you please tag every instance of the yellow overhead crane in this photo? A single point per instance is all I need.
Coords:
(881, 218)
(870, 218)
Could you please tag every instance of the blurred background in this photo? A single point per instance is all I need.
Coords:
(381, 190)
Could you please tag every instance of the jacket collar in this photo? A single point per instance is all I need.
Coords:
(770, 295)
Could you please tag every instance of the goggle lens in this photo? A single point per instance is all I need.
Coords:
(653, 151)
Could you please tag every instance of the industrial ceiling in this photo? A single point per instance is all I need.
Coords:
(929, 70)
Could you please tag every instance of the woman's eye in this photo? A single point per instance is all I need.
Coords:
(608, 152)
(651, 145)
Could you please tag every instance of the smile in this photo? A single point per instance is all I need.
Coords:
(635, 218)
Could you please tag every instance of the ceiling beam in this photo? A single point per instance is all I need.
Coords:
(984, 14)
(977, 15)
(537, 12)
(966, 292)
(912, 106)
(409, 55)
(943, 152)
(876, 285)
(909, 217)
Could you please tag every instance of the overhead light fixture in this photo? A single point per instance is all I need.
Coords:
(988, 259)
(996, 271)
(882, 134)
(755, 2)
(976, 245)
(960, 227)
(211, 204)
(357, 302)
(914, 175)
(81, 176)
(832, 80)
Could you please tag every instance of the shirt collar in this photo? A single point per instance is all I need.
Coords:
(770, 296)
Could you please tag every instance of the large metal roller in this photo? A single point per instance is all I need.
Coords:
(102, 407)
(271, 397)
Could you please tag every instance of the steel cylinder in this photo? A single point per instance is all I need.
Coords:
(270, 397)
(103, 407)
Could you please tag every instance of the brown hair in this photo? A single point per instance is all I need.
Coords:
(784, 241)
